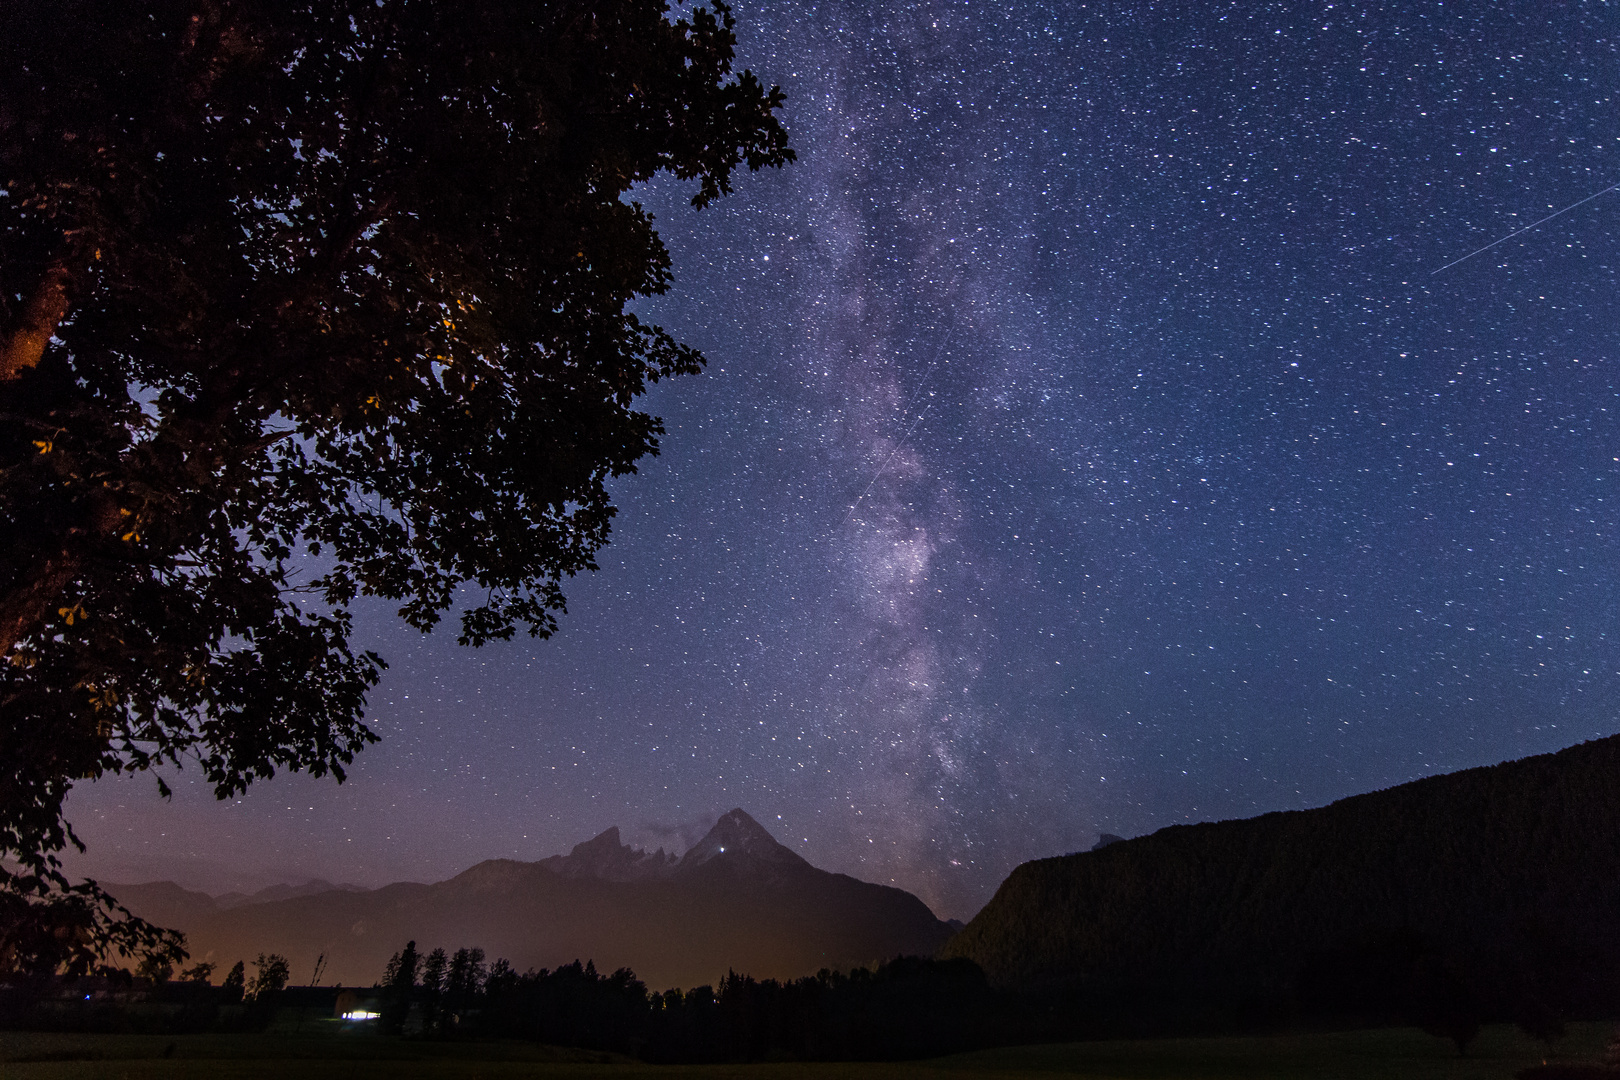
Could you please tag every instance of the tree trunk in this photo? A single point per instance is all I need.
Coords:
(32, 603)
(24, 610)
(42, 313)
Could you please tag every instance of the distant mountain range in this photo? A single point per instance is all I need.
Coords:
(1496, 887)
(226, 901)
(737, 900)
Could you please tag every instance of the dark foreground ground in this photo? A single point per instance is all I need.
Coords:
(318, 1052)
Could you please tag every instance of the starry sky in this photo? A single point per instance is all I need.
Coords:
(1091, 442)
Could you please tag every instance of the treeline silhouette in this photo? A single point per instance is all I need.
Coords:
(912, 1007)
(149, 1001)
(909, 1007)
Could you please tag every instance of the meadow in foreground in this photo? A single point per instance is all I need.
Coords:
(1378, 1054)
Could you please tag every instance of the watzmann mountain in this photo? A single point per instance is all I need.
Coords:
(738, 900)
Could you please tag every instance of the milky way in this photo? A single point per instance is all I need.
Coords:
(1087, 445)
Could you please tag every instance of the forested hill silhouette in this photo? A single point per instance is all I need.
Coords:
(737, 900)
(1480, 888)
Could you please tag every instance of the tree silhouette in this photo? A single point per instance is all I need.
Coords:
(345, 279)
(1442, 1003)
(463, 983)
(399, 987)
(1540, 1021)
(200, 972)
(155, 968)
(434, 969)
(235, 983)
(270, 977)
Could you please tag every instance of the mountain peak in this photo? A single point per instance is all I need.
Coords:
(755, 907)
(738, 834)
(606, 856)
(606, 842)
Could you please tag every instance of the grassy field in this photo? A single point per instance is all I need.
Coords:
(1385, 1054)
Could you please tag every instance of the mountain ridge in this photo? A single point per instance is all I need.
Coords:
(737, 899)
(1506, 876)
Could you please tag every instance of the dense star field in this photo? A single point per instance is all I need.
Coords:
(1091, 441)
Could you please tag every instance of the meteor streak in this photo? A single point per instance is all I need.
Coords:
(1526, 229)
(909, 405)
(897, 448)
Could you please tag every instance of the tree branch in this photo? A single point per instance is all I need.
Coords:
(29, 607)
(26, 609)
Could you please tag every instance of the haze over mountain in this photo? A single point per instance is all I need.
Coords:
(736, 900)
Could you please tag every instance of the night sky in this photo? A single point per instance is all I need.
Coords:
(1087, 445)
